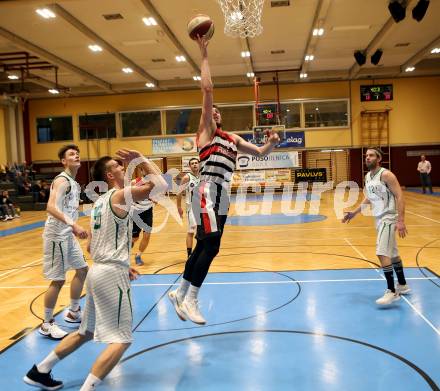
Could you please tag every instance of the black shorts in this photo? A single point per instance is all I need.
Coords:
(147, 217)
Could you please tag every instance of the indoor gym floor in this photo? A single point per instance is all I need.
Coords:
(289, 306)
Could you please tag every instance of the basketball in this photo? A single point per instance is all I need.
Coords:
(201, 25)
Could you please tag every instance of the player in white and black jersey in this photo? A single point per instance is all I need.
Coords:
(107, 314)
(188, 182)
(383, 193)
(210, 202)
(62, 251)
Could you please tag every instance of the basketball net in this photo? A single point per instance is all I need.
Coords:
(242, 17)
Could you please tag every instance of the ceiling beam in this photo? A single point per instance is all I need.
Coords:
(52, 58)
(376, 42)
(312, 41)
(420, 55)
(155, 14)
(68, 17)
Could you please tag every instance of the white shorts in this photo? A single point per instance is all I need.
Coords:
(386, 244)
(192, 225)
(61, 255)
(108, 311)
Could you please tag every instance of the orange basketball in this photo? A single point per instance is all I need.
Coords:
(201, 25)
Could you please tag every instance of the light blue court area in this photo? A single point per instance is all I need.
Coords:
(294, 330)
(273, 219)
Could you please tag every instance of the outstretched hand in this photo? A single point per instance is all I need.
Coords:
(203, 45)
(273, 137)
(348, 216)
(127, 155)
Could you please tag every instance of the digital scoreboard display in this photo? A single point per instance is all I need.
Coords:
(376, 92)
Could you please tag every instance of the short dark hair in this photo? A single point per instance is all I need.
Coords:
(194, 158)
(100, 168)
(378, 151)
(65, 148)
(215, 107)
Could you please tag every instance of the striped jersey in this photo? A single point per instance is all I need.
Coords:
(110, 235)
(218, 159)
(190, 186)
(383, 202)
(68, 204)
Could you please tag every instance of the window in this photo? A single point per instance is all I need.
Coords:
(237, 118)
(326, 114)
(141, 123)
(97, 126)
(291, 115)
(54, 129)
(183, 120)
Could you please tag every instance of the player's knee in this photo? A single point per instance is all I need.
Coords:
(82, 273)
(58, 284)
(213, 248)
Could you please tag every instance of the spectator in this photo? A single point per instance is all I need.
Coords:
(12, 172)
(45, 191)
(3, 172)
(22, 183)
(9, 207)
(424, 168)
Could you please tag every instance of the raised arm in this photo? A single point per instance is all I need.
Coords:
(206, 129)
(251, 149)
(153, 187)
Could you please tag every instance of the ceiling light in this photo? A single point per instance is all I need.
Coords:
(250, 74)
(309, 57)
(197, 78)
(303, 75)
(236, 16)
(149, 85)
(245, 54)
(435, 51)
(95, 48)
(13, 77)
(149, 21)
(127, 70)
(397, 10)
(54, 91)
(319, 32)
(410, 69)
(45, 13)
(180, 58)
(420, 9)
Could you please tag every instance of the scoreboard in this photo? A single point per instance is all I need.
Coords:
(376, 92)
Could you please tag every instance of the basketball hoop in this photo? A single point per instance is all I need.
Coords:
(242, 17)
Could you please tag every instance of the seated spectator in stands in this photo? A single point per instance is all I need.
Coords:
(12, 171)
(36, 189)
(7, 203)
(22, 183)
(44, 192)
(31, 171)
(3, 214)
(3, 172)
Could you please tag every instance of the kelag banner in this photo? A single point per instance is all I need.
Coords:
(311, 175)
(292, 140)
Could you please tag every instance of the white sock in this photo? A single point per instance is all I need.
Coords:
(91, 383)
(48, 363)
(193, 292)
(48, 314)
(74, 305)
(183, 288)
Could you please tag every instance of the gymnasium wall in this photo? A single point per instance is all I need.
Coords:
(3, 139)
(413, 115)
